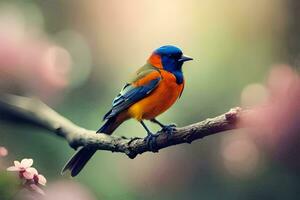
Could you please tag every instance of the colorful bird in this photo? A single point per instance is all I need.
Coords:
(154, 88)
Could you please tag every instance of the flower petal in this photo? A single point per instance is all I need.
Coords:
(28, 175)
(17, 163)
(37, 189)
(42, 180)
(32, 170)
(13, 168)
(26, 162)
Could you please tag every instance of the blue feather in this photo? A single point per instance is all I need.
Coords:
(170, 56)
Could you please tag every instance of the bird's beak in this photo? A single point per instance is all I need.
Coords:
(184, 58)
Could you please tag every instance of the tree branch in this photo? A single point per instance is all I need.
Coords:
(35, 112)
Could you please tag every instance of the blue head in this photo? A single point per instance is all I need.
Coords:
(171, 59)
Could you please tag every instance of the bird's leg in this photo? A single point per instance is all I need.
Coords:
(150, 139)
(165, 128)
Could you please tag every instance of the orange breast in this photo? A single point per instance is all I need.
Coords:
(162, 98)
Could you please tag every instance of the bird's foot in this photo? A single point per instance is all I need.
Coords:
(169, 129)
(151, 142)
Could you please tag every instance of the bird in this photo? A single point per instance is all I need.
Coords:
(152, 90)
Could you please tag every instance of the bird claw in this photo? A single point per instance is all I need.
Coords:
(151, 142)
(169, 129)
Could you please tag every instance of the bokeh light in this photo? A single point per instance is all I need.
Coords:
(3, 151)
(79, 50)
(253, 95)
(77, 55)
(241, 156)
(30, 63)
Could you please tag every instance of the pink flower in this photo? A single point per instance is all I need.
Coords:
(31, 176)
(30, 173)
(22, 166)
(3, 151)
(39, 179)
(33, 184)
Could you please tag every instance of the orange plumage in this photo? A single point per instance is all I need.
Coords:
(155, 88)
(162, 98)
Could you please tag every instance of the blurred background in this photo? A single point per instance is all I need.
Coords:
(76, 55)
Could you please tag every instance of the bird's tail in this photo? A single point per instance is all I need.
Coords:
(82, 156)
